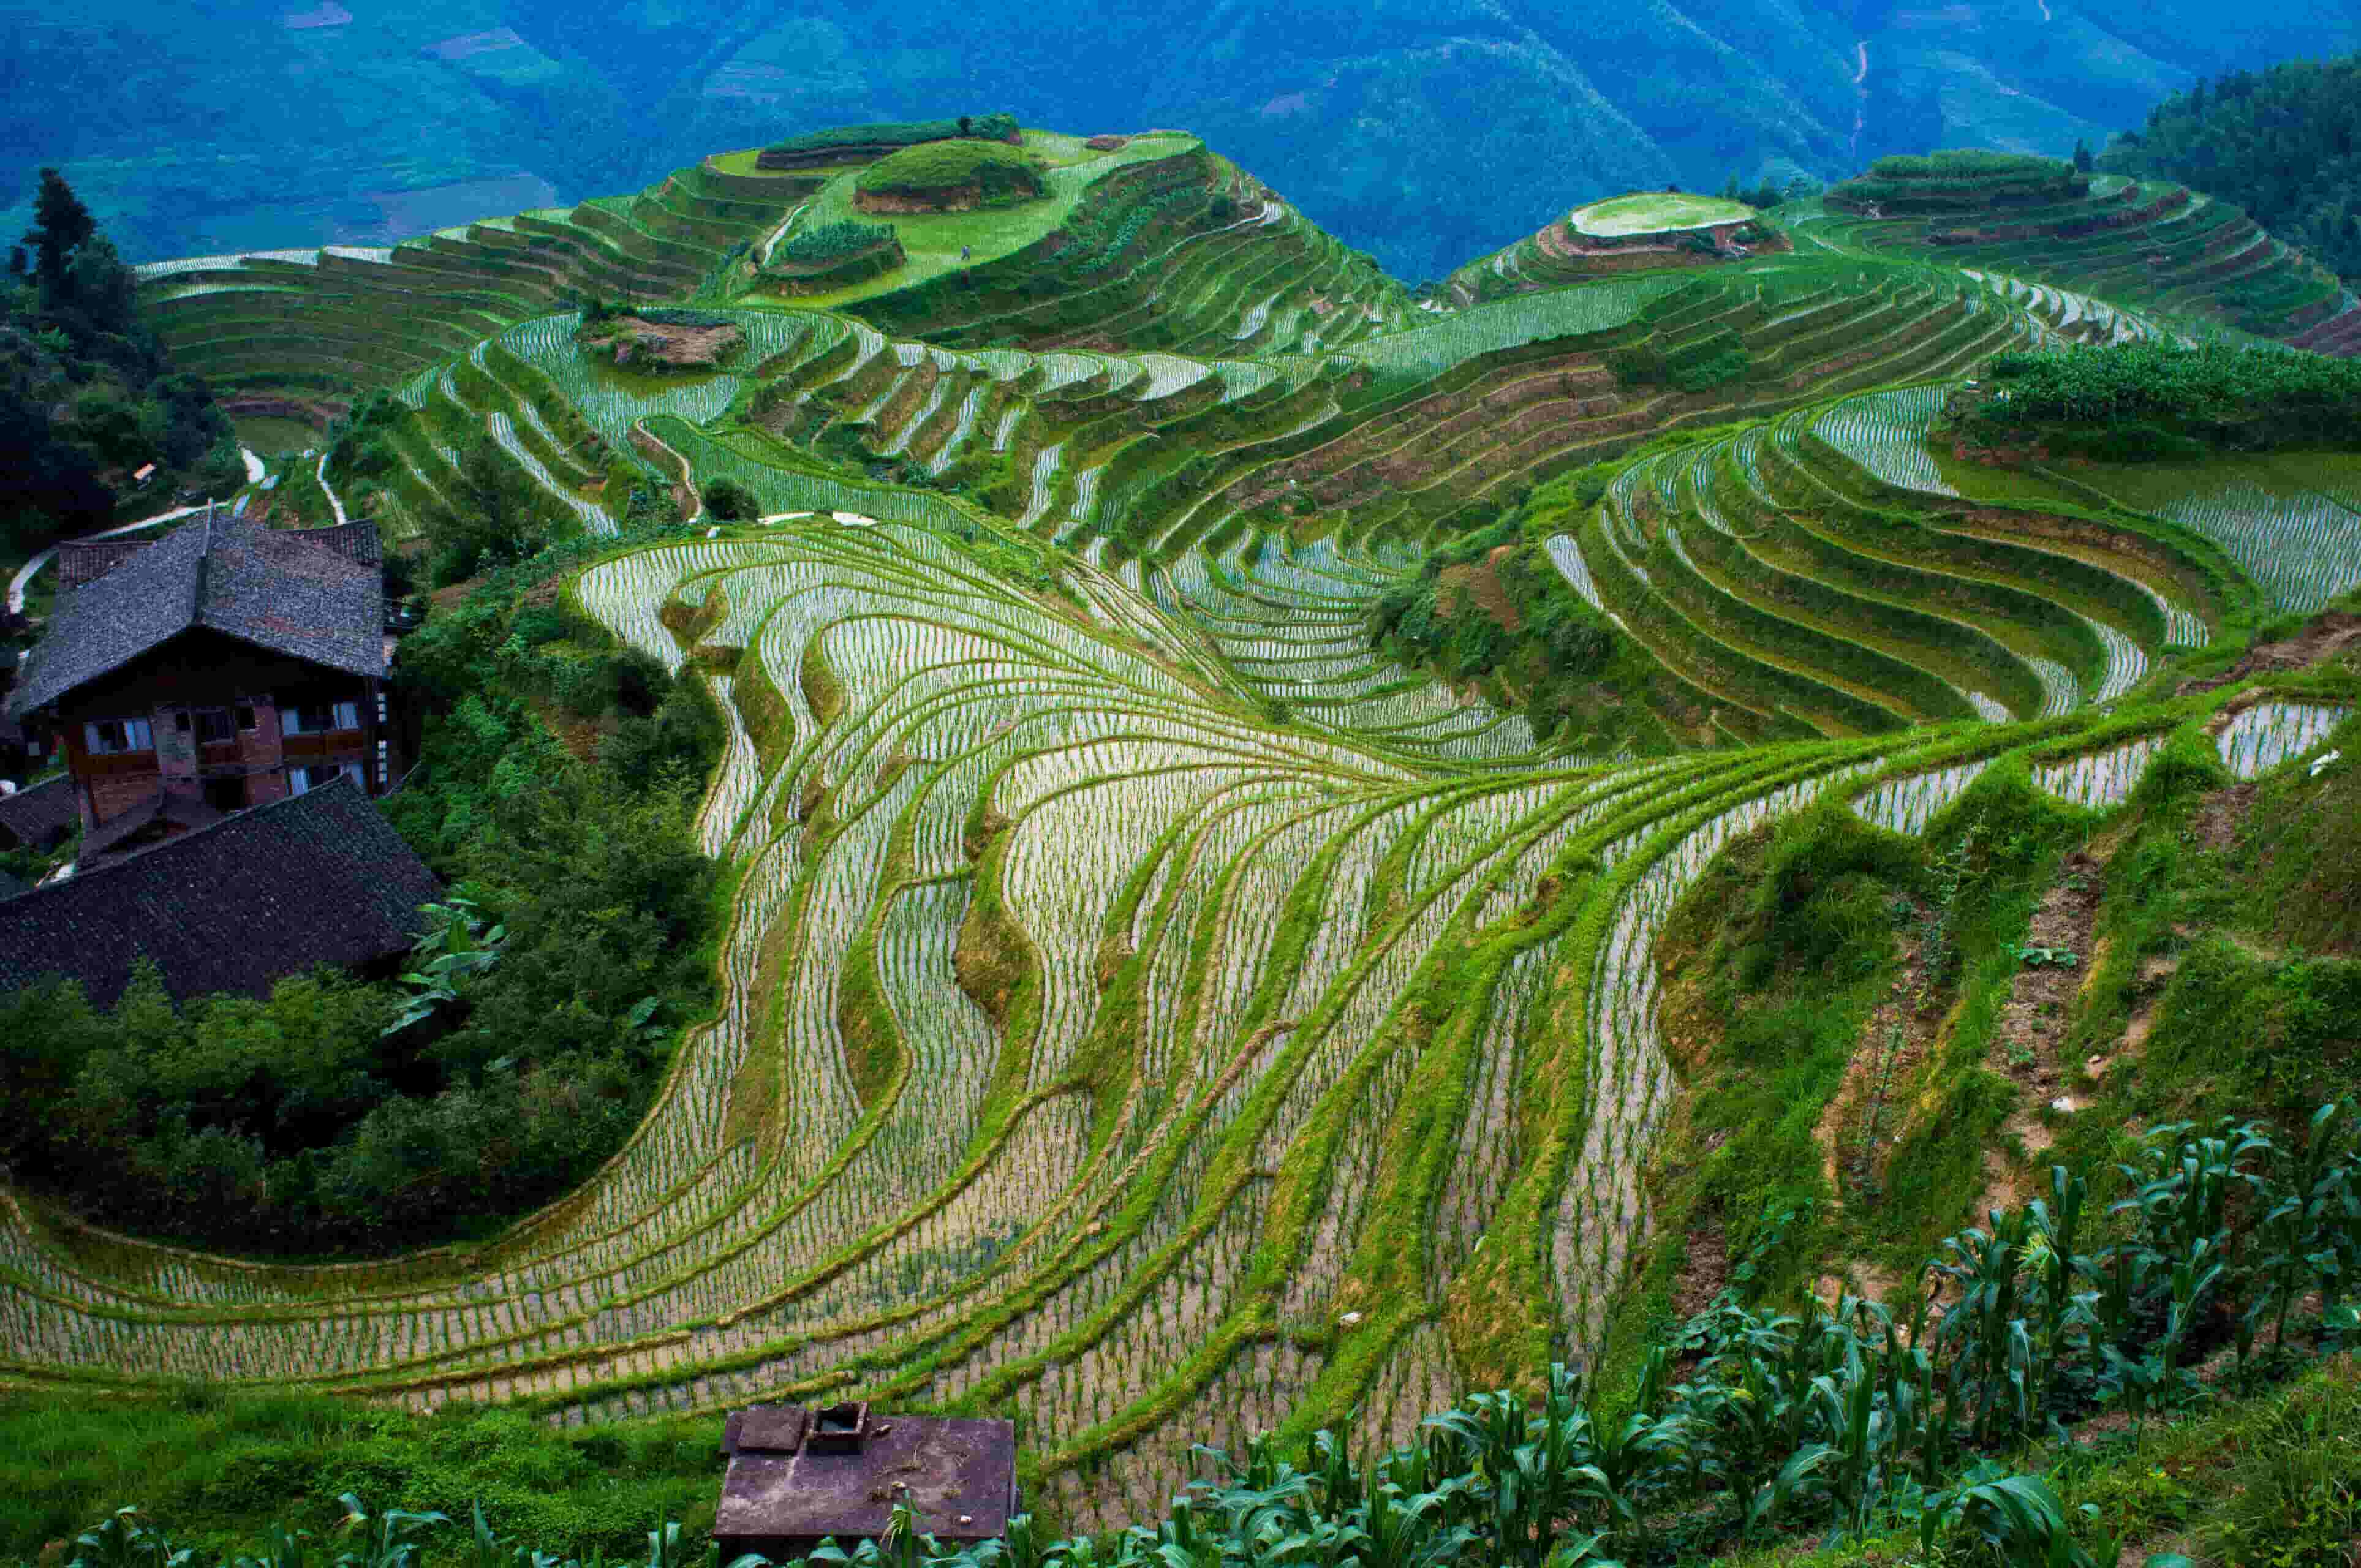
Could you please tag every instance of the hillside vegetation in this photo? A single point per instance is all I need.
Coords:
(1292, 851)
(88, 398)
(2280, 143)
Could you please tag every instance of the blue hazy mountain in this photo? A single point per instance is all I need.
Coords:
(1424, 132)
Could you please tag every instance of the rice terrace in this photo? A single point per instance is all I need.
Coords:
(1219, 749)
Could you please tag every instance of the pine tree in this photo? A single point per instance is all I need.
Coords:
(61, 226)
(2082, 159)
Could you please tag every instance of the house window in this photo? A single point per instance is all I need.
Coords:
(301, 780)
(321, 718)
(106, 737)
(213, 726)
(225, 795)
(246, 717)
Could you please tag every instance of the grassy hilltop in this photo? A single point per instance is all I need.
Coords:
(1272, 852)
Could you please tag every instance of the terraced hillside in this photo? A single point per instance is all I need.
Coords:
(320, 323)
(2150, 245)
(1149, 1012)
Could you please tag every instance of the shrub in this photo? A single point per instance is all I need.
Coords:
(2162, 400)
(900, 133)
(730, 500)
(1963, 179)
(1000, 172)
(834, 242)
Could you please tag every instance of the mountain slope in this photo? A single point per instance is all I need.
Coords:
(1133, 938)
(270, 123)
(2281, 144)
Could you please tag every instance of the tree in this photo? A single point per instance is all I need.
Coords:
(494, 514)
(730, 501)
(2082, 159)
(60, 226)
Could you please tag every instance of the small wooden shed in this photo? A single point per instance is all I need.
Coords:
(800, 1475)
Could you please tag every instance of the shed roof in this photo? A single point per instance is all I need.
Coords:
(319, 878)
(41, 813)
(225, 573)
(959, 1477)
(185, 811)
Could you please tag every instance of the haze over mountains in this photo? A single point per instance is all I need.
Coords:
(1425, 133)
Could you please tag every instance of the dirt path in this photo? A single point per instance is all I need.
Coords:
(2034, 1021)
(685, 498)
(1862, 1118)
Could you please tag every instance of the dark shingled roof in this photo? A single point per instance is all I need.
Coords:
(163, 806)
(223, 573)
(41, 813)
(81, 561)
(319, 878)
(84, 560)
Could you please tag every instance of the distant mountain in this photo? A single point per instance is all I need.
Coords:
(1426, 134)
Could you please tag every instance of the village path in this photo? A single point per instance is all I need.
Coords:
(31, 569)
(335, 502)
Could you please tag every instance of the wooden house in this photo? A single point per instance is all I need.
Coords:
(221, 666)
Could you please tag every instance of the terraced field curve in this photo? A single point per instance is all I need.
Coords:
(1149, 1012)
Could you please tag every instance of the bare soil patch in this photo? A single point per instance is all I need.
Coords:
(950, 199)
(1705, 1269)
(2223, 817)
(2335, 635)
(455, 596)
(1477, 586)
(669, 345)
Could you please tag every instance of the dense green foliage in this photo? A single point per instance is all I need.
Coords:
(2160, 400)
(1000, 171)
(1552, 655)
(830, 242)
(2283, 143)
(730, 500)
(490, 513)
(1961, 180)
(901, 132)
(297, 1124)
(87, 397)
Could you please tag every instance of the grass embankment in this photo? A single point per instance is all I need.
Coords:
(218, 1469)
(1880, 1035)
